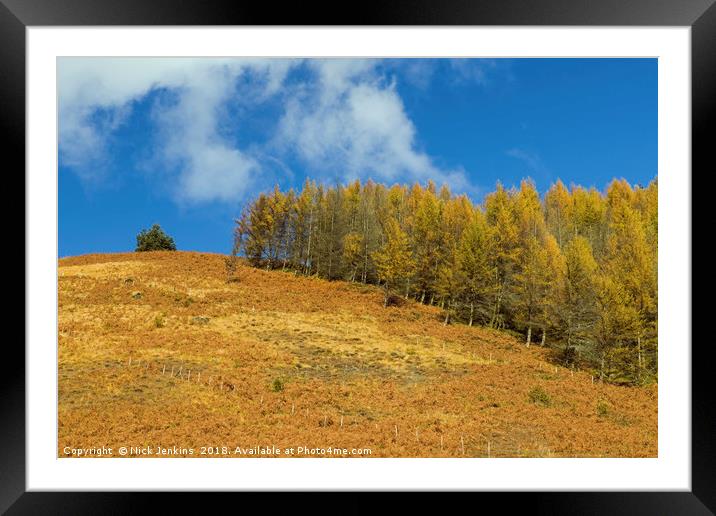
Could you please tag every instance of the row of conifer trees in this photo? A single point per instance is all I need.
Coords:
(575, 270)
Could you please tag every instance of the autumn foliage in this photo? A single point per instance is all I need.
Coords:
(575, 270)
(159, 349)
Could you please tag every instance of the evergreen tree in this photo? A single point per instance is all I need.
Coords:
(154, 239)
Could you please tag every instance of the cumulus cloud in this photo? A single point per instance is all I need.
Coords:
(96, 96)
(352, 123)
(417, 72)
(343, 118)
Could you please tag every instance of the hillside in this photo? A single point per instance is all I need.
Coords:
(158, 349)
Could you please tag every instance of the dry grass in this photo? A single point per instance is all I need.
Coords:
(283, 360)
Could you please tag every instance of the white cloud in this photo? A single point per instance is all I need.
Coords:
(345, 119)
(352, 123)
(465, 71)
(210, 167)
(417, 72)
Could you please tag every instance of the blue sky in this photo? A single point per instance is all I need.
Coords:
(186, 142)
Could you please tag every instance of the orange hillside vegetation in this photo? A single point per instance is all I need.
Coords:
(159, 349)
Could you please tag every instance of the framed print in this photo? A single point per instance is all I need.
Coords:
(415, 250)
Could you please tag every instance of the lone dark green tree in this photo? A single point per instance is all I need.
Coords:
(154, 239)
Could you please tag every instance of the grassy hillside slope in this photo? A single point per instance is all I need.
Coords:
(158, 349)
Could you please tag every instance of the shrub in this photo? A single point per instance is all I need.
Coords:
(230, 264)
(538, 396)
(394, 300)
(602, 408)
(154, 239)
(569, 355)
(277, 385)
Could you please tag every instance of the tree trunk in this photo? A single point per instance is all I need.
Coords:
(544, 337)
(364, 274)
(497, 309)
(529, 335)
(472, 312)
(285, 249)
(310, 234)
(330, 253)
(639, 359)
(559, 227)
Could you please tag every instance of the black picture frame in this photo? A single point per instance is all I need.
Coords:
(700, 15)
